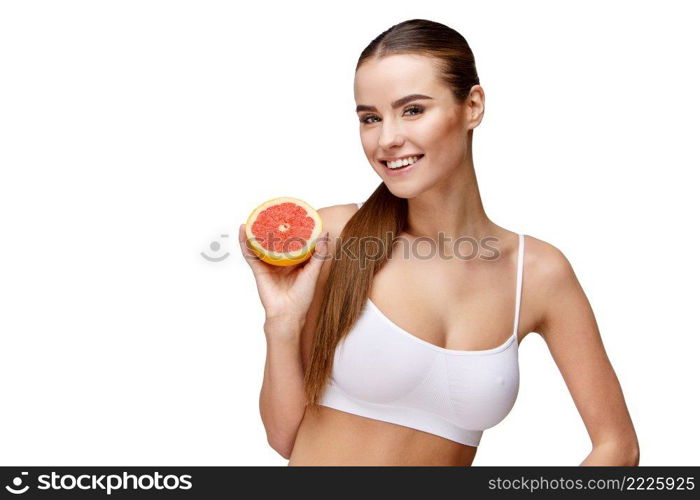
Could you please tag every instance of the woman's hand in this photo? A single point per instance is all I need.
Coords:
(285, 291)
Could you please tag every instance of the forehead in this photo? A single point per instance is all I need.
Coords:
(380, 81)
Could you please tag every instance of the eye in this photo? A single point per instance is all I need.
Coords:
(415, 108)
(365, 118)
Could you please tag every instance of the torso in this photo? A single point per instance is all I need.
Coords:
(453, 303)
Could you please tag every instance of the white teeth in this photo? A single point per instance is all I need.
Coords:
(403, 162)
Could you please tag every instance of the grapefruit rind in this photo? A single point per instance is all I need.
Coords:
(289, 258)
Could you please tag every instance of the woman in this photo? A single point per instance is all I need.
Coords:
(395, 346)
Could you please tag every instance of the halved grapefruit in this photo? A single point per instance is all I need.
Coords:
(283, 231)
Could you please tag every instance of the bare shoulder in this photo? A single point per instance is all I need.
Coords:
(335, 217)
(547, 263)
(549, 275)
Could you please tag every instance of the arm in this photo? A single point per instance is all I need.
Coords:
(569, 328)
(282, 400)
(282, 396)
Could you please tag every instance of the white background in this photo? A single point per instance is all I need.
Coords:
(135, 133)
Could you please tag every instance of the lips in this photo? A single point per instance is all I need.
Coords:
(402, 170)
(384, 162)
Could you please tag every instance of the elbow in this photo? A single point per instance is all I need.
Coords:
(281, 433)
(631, 452)
(283, 447)
(627, 454)
(615, 453)
(282, 442)
(633, 456)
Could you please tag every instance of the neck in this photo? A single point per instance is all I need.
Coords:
(453, 208)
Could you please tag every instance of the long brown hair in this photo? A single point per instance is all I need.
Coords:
(383, 215)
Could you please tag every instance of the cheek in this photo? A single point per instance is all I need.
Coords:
(369, 143)
(443, 141)
(433, 134)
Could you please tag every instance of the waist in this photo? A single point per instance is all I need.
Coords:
(327, 436)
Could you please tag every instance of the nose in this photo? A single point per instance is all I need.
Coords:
(390, 135)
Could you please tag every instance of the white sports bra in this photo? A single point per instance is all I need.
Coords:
(381, 371)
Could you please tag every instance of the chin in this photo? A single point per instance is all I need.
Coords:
(402, 191)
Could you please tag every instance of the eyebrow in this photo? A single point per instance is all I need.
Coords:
(395, 104)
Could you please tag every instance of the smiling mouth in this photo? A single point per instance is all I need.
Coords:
(403, 167)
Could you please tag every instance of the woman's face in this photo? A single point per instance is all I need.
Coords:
(433, 127)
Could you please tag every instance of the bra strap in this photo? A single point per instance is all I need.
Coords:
(519, 282)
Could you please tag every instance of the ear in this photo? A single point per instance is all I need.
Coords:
(474, 106)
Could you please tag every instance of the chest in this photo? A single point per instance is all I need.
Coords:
(461, 307)
(379, 364)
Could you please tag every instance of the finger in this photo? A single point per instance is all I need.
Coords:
(253, 260)
(319, 256)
